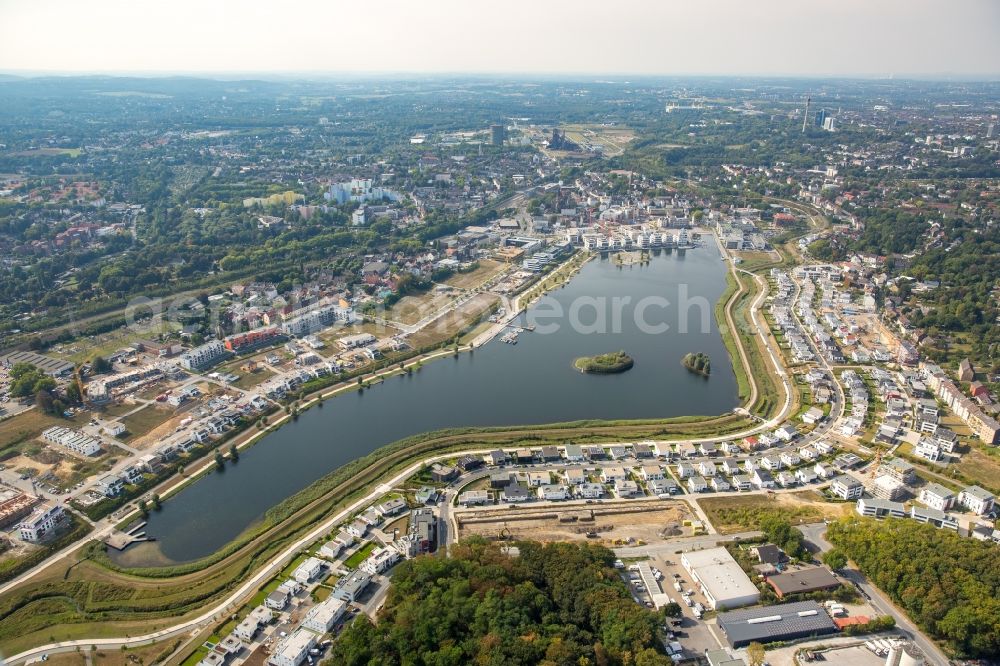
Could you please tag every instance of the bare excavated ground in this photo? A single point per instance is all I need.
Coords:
(609, 524)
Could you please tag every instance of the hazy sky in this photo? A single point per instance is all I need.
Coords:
(798, 37)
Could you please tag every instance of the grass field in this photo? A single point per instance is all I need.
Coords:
(147, 654)
(453, 322)
(744, 512)
(28, 425)
(107, 344)
(982, 467)
(144, 420)
(487, 269)
(248, 380)
(611, 139)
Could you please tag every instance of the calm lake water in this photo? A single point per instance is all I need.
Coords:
(500, 384)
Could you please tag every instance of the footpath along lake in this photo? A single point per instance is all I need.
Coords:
(531, 382)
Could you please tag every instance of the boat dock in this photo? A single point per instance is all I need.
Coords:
(121, 540)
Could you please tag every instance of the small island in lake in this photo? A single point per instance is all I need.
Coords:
(698, 363)
(604, 364)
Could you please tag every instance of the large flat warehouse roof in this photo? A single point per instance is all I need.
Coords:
(769, 624)
(47, 364)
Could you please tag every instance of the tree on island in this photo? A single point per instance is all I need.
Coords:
(604, 363)
(698, 363)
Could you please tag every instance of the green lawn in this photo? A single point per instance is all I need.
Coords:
(359, 556)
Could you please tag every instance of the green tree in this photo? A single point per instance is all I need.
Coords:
(756, 654)
(100, 365)
(835, 559)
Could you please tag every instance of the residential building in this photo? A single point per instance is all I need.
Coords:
(516, 493)
(887, 487)
(650, 472)
(976, 500)
(590, 490)
(331, 549)
(350, 587)
(553, 492)
(697, 484)
(901, 470)
(278, 599)
(324, 615)
(251, 624)
(663, 487)
(928, 449)
(308, 570)
(423, 531)
(380, 560)
(937, 497)
(934, 517)
(77, 442)
(613, 473)
(762, 479)
(846, 487)
(880, 508)
(204, 356)
(42, 523)
(293, 649)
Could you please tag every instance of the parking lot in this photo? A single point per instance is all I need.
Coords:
(693, 634)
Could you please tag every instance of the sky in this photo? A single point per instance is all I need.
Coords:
(959, 38)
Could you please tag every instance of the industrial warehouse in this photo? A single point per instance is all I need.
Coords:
(720, 578)
(770, 624)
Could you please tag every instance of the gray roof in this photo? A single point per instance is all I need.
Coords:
(885, 505)
(848, 480)
(938, 489)
(768, 624)
(978, 493)
(803, 581)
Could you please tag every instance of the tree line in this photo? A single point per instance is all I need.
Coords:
(550, 604)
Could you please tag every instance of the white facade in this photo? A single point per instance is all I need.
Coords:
(308, 570)
(976, 500)
(847, 487)
(204, 356)
(380, 560)
(937, 497)
(324, 615)
(41, 523)
(77, 442)
(293, 649)
(552, 492)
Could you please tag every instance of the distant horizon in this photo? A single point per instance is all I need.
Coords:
(319, 75)
(922, 39)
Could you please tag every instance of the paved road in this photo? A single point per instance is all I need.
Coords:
(816, 534)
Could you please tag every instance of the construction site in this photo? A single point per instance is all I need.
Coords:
(617, 524)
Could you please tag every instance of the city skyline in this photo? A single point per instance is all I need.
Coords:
(719, 37)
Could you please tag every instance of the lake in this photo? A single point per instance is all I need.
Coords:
(500, 384)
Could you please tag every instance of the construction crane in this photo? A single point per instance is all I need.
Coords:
(876, 463)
